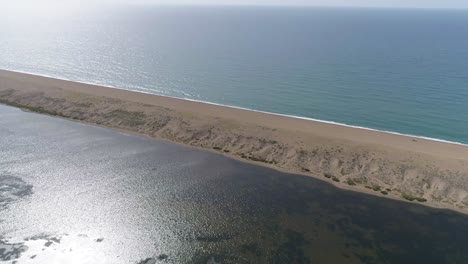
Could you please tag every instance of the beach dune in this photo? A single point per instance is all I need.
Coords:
(401, 167)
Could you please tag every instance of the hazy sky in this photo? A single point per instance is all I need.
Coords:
(370, 3)
(375, 3)
(52, 8)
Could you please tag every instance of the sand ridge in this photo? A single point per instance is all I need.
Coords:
(414, 169)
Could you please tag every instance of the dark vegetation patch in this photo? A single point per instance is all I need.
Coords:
(331, 176)
(83, 104)
(37, 109)
(350, 182)
(128, 118)
(252, 158)
(265, 141)
(410, 197)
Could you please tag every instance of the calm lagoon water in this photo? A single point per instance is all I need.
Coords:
(75, 193)
(395, 70)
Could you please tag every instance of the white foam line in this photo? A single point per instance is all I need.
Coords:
(328, 122)
(248, 109)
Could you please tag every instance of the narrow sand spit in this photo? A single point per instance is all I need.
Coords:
(401, 167)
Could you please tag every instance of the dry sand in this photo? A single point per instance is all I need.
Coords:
(401, 167)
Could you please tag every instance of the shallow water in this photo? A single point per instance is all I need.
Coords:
(75, 193)
(387, 69)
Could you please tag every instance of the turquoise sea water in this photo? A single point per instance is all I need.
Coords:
(395, 70)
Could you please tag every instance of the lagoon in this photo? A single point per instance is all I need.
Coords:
(76, 192)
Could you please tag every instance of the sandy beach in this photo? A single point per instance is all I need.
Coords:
(395, 166)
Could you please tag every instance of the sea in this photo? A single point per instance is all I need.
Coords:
(398, 70)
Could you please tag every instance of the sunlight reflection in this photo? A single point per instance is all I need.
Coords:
(76, 248)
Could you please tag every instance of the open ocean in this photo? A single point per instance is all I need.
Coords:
(404, 71)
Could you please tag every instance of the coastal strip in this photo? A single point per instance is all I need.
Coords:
(402, 167)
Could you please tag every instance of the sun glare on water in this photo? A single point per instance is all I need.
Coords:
(68, 248)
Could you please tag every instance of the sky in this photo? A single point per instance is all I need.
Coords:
(12, 7)
(355, 3)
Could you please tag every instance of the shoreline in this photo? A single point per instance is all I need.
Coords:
(357, 159)
(298, 173)
(246, 109)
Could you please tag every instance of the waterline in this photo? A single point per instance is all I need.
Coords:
(143, 90)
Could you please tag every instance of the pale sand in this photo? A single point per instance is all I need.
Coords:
(352, 158)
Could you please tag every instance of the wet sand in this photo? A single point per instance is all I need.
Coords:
(401, 167)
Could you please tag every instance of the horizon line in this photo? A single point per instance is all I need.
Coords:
(295, 5)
